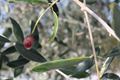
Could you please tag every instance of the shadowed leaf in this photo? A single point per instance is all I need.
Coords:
(18, 71)
(7, 34)
(30, 54)
(36, 35)
(110, 76)
(21, 61)
(3, 39)
(1, 61)
(17, 30)
(116, 18)
(9, 50)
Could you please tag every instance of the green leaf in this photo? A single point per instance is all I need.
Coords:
(79, 71)
(36, 35)
(17, 31)
(114, 52)
(3, 39)
(18, 71)
(116, 18)
(9, 50)
(106, 65)
(54, 33)
(29, 54)
(81, 75)
(1, 61)
(85, 65)
(57, 64)
(110, 76)
(7, 34)
(74, 72)
(21, 61)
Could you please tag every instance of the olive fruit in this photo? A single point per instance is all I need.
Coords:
(28, 41)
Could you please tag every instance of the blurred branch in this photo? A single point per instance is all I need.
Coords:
(107, 27)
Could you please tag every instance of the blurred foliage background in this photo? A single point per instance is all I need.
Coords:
(72, 38)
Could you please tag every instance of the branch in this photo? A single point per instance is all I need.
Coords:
(106, 26)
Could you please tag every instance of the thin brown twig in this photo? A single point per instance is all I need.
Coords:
(92, 43)
(106, 26)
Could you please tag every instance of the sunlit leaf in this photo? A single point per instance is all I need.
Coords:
(54, 33)
(29, 54)
(17, 30)
(106, 65)
(57, 64)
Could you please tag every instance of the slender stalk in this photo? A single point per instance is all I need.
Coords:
(106, 26)
(91, 39)
(92, 43)
(42, 15)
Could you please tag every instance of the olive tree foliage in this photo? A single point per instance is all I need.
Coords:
(47, 35)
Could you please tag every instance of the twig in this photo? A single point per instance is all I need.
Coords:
(107, 27)
(92, 43)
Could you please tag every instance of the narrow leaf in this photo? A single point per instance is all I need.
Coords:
(7, 34)
(54, 33)
(74, 72)
(30, 54)
(36, 35)
(1, 61)
(3, 39)
(17, 30)
(18, 71)
(81, 75)
(9, 50)
(57, 64)
(114, 52)
(85, 65)
(21, 61)
(55, 9)
(116, 18)
(110, 76)
(106, 65)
